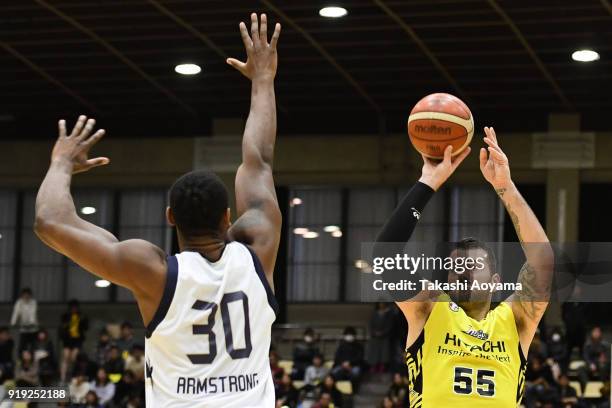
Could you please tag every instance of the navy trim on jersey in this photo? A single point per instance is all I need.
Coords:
(166, 300)
(262, 277)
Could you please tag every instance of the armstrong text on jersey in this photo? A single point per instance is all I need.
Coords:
(214, 385)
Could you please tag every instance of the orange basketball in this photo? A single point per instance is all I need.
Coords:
(439, 120)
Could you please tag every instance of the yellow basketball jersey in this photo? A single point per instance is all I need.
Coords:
(461, 362)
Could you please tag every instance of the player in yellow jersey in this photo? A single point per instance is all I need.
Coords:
(460, 352)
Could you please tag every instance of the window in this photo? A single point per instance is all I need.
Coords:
(8, 223)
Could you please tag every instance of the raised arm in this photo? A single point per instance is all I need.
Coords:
(135, 264)
(401, 224)
(528, 304)
(259, 217)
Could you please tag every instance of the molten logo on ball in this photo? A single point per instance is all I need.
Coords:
(438, 130)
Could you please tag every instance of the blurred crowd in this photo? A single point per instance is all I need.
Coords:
(109, 375)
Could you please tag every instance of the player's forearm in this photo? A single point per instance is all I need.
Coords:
(54, 204)
(260, 131)
(526, 224)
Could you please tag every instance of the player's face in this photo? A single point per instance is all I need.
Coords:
(470, 275)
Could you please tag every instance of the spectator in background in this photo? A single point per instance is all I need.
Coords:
(135, 362)
(573, 317)
(567, 394)
(44, 355)
(381, 324)
(387, 403)
(92, 400)
(6, 355)
(115, 364)
(103, 387)
(277, 371)
(328, 386)
(286, 393)
(25, 317)
(325, 401)
(398, 391)
(103, 347)
(78, 389)
(72, 332)
(538, 347)
(303, 353)
(126, 339)
(557, 347)
(597, 356)
(127, 388)
(315, 373)
(348, 360)
(84, 366)
(540, 384)
(26, 372)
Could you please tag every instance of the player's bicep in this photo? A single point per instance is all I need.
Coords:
(254, 188)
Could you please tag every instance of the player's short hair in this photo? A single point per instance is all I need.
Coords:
(473, 243)
(198, 201)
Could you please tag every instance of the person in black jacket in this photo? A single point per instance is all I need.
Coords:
(348, 361)
(303, 353)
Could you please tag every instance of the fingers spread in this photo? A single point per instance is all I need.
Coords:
(263, 30)
(87, 129)
(248, 44)
(94, 139)
(76, 130)
(62, 128)
(496, 155)
(483, 157)
(98, 161)
(277, 30)
(239, 65)
(255, 31)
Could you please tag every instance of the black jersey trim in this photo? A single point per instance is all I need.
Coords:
(264, 281)
(166, 300)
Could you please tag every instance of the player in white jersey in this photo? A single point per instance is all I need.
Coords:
(209, 309)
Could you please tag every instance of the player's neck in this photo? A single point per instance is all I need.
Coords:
(210, 247)
(476, 310)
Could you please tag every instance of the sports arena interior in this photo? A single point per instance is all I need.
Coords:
(345, 87)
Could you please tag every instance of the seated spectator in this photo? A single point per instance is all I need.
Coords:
(115, 363)
(325, 401)
(135, 362)
(127, 388)
(286, 393)
(557, 347)
(567, 394)
(277, 371)
(103, 347)
(303, 353)
(387, 403)
(597, 356)
(538, 346)
(26, 372)
(92, 400)
(44, 355)
(381, 324)
(315, 373)
(6, 355)
(348, 360)
(398, 391)
(103, 387)
(78, 389)
(328, 386)
(126, 339)
(84, 366)
(540, 385)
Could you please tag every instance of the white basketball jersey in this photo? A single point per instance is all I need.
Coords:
(208, 343)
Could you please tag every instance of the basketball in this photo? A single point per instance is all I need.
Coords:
(439, 120)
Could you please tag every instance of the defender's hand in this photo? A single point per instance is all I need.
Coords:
(73, 148)
(495, 166)
(435, 173)
(262, 58)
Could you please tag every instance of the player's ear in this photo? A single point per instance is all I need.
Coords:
(170, 217)
(227, 218)
(496, 278)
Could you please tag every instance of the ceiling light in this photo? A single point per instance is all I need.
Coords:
(336, 234)
(295, 201)
(585, 55)
(188, 69)
(88, 210)
(333, 12)
(311, 234)
(331, 228)
(360, 264)
(102, 283)
(300, 230)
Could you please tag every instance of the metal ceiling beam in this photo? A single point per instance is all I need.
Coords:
(101, 41)
(419, 42)
(349, 78)
(519, 35)
(49, 78)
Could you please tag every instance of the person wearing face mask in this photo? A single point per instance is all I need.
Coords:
(349, 358)
(303, 353)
